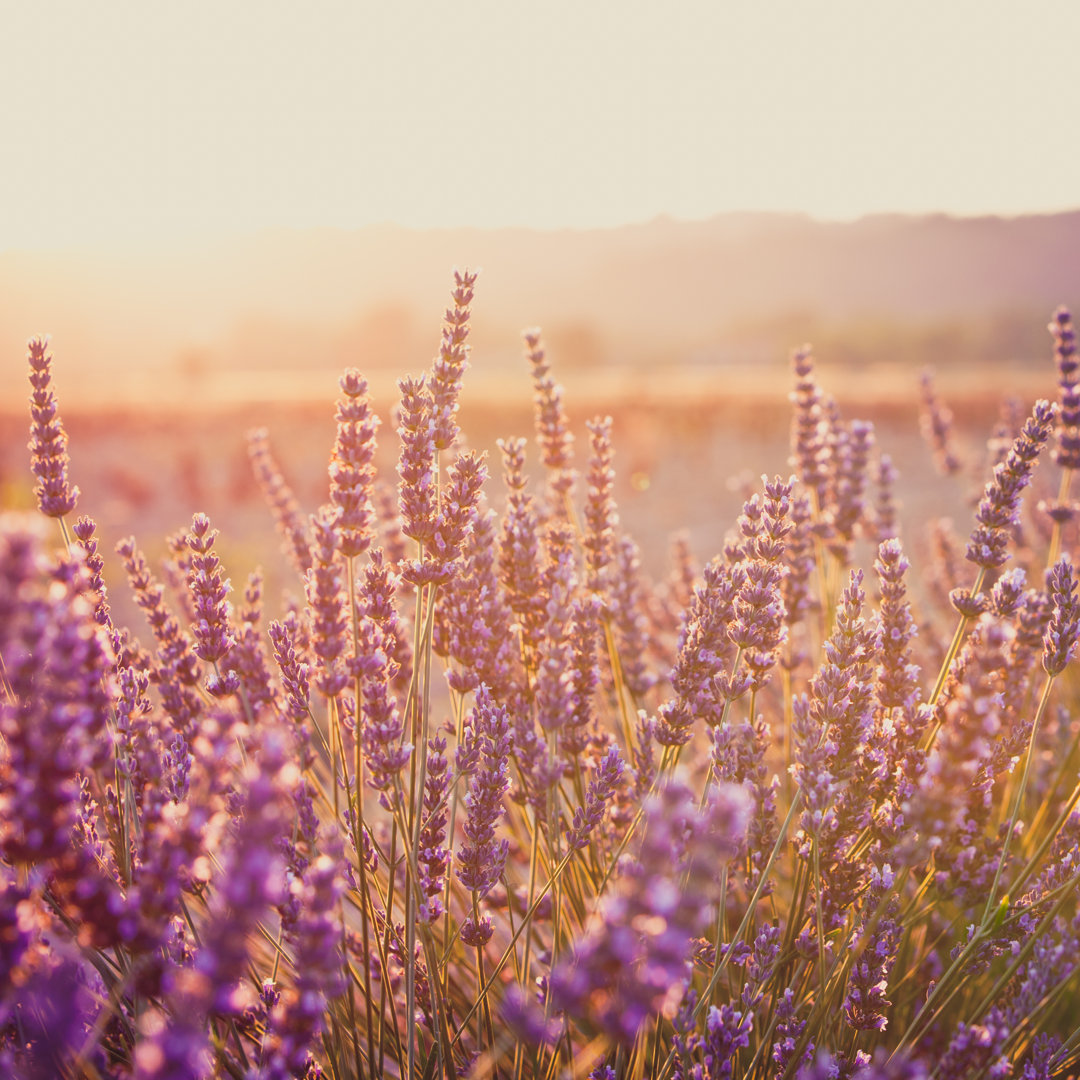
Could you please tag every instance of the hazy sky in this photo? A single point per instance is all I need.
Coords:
(147, 122)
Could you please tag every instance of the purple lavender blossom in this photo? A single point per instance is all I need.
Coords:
(600, 514)
(606, 778)
(975, 1049)
(552, 427)
(48, 440)
(481, 857)
(457, 510)
(376, 601)
(865, 1002)
(936, 423)
(294, 674)
(885, 507)
(999, 509)
(519, 548)
(83, 531)
(53, 716)
(416, 464)
(452, 362)
(627, 592)
(175, 1045)
(554, 675)
(851, 446)
(473, 618)
(54, 1015)
(950, 809)
(177, 670)
(326, 602)
(705, 651)
(287, 516)
(759, 629)
(432, 855)
(634, 959)
(585, 631)
(381, 727)
(1067, 453)
(1059, 642)
(352, 464)
(298, 1016)
(211, 630)
(809, 435)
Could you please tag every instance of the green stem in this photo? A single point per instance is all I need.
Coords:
(1018, 799)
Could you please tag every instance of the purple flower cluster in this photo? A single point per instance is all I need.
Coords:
(543, 815)
(481, 857)
(998, 512)
(48, 440)
(634, 961)
(352, 467)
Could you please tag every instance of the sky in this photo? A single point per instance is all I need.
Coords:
(146, 124)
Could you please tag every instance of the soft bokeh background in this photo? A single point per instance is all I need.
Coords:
(214, 208)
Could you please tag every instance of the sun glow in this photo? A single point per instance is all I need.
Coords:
(135, 124)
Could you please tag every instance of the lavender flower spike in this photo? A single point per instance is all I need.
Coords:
(48, 440)
(352, 466)
(999, 509)
(450, 365)
(936, 423)
(552, 426)
(1059, 642)
(600, 515)
(605, 780)
(481, 858)
(1067, 454)
(208, 591)
(283, 504)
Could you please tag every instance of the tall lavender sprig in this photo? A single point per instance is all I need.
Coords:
(84, 530)
(432, 855)
(352, 464)
(705, 652)
(1059, 641)
(809, 434)
(896, 726)
(936, 423)
(48, 440)
(287, 516)
(416, 464)
(627, 598)
(600, 515)
(554, 676)
(552, 427)
(450, 365)
(1067, 454)
(481, 857)
(326, 602)
(382, 728)
(606, 778)
(458, 508)
(852, 444)
(759, 627)
(998, 511)
(519, 549)
(209, 592)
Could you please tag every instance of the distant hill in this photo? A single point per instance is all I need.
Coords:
(738, 288)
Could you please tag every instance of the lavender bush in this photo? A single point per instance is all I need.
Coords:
(490, 803)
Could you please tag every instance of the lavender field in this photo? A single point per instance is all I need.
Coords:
(482, 775)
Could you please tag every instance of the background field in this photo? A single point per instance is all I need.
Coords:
(681, 331)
